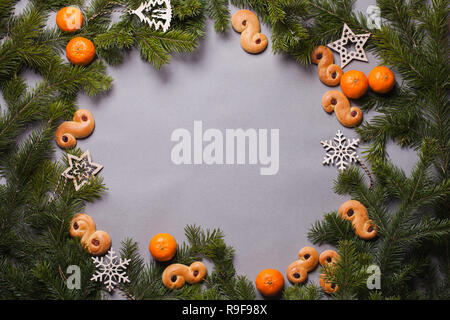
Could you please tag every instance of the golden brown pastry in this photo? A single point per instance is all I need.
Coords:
(355, 212)
(328, 258)
(175, 275)
(336, 101)
(329, 73)
(247, 23)
(68, 132)
(297, 272)
(95, 242)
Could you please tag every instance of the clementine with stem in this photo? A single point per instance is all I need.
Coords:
(80, 51)
(269, 282)
(354, 84)
(163, 247)
(381, 79)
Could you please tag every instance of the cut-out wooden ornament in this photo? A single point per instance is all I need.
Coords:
(359, 40)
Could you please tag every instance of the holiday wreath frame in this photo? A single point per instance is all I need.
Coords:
(34, 242)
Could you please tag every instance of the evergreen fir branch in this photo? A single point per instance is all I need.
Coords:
(244, 288)
(195, 26)
(189, 16)
(349, 274)
(155, 46)
(54, 5)
(405, 273)
(13, 91)
(423, 64)
(119, 36)
(331, 230)
(13, 281)
(9, 61)
(401, 17)
(32, 106)
(6, 12)
(398, 120)
(19, 47)
(99, 12)
(308, 291)
(426, 230)
(184, 9)
(69, 80)
(54, 38)
(53, 287)
(219, 12)
(432, 276)
(20, 167)
(112, 56)
(28, 24)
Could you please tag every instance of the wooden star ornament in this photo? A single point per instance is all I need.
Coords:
(359, 40)
(81, 169)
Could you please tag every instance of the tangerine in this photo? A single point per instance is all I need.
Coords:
(69, 19)
(381, 79)
(269, 282)
(354, 84)
(80, 51)
(163, 247)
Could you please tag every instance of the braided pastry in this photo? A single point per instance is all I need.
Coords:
(95, 242)
(336, 101)
(329, 73)
(356, 212)
(328, 258)
(297, 272)
(175, 275)
(247, 23)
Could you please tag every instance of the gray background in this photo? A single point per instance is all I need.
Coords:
(265, 218)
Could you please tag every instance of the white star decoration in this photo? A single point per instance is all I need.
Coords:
(81, 169)
(109, 270)
(161, 13)
(341, 152)
(359, 40)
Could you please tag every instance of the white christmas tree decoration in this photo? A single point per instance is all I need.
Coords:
(160, 13)
(109, 270)
(341, 152)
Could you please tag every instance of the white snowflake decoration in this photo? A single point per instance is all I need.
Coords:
(109, 271)
(160, 17)
(342, 152)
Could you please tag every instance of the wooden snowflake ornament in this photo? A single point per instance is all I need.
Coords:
(81, 169)
(156, 13)
(340, 152)
(110, 270)
(358, 40)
